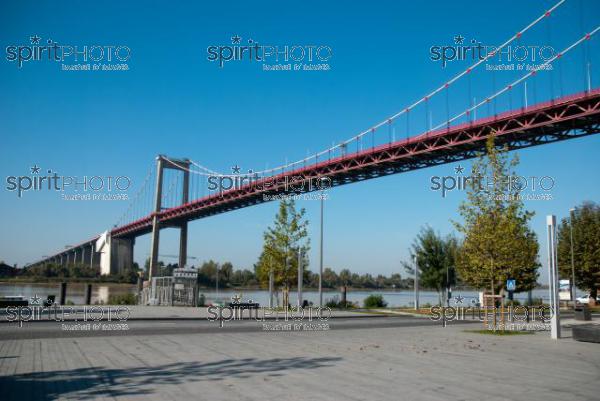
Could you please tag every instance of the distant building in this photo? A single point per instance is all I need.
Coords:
(7, 270)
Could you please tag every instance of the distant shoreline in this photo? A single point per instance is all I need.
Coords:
(60, 280)
(56, 280)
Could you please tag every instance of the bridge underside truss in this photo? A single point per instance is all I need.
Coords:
(572, 117)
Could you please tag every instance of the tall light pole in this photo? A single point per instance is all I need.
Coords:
(416, 282)
(321, 255)
(217, 284)
(573, 288)
(447, 286)
(286, 295)
(270, 282)
(300, 278)
(553, 277)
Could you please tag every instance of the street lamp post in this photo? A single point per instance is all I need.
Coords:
(286, 295)
(416, 282)
(270, 283)
(447, 286)
(573, 288)
(553, 276)
(321, 256)
(300, 278)
(217, 284)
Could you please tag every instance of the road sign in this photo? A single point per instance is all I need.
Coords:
(511, 285)
(564, 290)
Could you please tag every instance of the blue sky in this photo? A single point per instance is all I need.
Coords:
(173, 101)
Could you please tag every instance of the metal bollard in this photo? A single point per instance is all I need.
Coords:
(88, 294)
(63, 293)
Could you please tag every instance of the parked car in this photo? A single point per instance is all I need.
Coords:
(586, 299)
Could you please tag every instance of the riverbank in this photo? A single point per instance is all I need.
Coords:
(101, 293)
(52, 280)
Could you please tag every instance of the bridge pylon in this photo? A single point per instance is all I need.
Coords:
(183, 165)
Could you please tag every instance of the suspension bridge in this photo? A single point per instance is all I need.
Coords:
(176, 191)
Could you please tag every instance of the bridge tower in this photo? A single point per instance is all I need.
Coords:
(162, 163)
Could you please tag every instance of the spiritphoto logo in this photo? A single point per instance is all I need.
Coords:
(296, 318)
(287, 185)
(515, 318)
(83, 318)
(73, 57)
(513, 186)
(288, 57)
(86, 187)
(508, 58)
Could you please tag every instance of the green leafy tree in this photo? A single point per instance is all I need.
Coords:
(345, 277)
(498, 242)
(330, 278)
(207, 274)
(282, 242)
(225, 273)
(435, 257)
(586, 247)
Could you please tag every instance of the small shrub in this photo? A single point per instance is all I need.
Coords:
(535, 301)
(335, 303)
(122, 299)
(375, 301)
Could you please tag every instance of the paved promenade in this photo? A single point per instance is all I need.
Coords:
(416, 361)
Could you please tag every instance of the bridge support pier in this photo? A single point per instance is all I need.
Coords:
(87, 257)
(116, 254)
(155, 223)
(121, 254)
(162, 163)
(183, 234)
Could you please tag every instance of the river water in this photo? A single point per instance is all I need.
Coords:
(101, 292)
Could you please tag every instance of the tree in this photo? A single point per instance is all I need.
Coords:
(586, 247)
(282, 242)
(345, 277)
(207, 274)
(225, 273)
(396, 280)
(330, 278)
(498, 243)
(435, 257)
